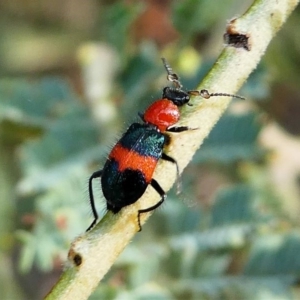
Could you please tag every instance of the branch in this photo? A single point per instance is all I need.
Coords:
(92, 254)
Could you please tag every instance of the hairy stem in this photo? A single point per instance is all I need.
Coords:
(92, 254)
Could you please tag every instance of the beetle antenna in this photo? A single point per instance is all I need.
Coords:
(173, 77)
(205, 94)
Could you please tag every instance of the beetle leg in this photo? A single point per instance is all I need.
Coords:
(95, 175)
(178, 129)
(172, 160)
(161, 192)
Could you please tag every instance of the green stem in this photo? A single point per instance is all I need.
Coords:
(97, 250)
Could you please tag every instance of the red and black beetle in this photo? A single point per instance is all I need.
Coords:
(131, 163)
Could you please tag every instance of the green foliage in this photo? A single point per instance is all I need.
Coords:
(54, 164)
(137, 83)
(192, 247)
(232, 139)
(116, 23)
(235, 242)
(269, 256)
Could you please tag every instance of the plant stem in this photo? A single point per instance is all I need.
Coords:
(96, 251)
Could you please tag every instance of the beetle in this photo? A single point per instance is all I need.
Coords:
(131, 163)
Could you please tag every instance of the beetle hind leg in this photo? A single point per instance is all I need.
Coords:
(95, 175)
(161, 192)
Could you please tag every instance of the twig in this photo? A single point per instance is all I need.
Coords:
(92, 254)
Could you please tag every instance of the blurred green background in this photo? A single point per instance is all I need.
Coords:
(73, 75)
